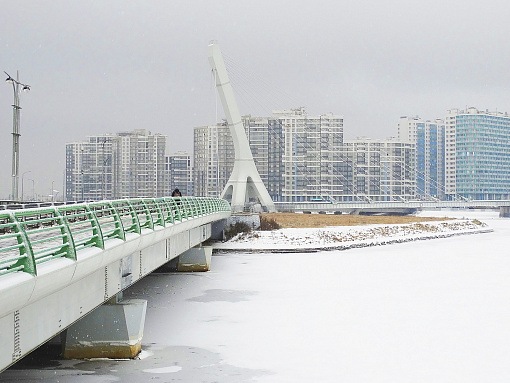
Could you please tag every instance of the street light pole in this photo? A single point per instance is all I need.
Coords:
(82, 175)
(23, 183)
(33, 189)
(15, 130)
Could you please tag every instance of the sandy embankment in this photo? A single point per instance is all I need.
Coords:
(316, 232)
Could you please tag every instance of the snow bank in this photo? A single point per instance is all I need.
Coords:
(347, 237)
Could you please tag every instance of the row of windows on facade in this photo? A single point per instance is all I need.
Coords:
(281, 136)
(296, 161)
(140, 167)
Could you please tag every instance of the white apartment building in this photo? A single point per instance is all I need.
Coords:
(178, 173)
(213, 159)
(257, 132)
(378, 170)
(141, 164)
(89, 169)
(121, 165)
(310, 155)
(297, 155)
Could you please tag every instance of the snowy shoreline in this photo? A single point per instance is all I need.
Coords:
(346, 237)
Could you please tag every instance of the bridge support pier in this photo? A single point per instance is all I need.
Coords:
(195, 259)
(113, 330)
(217, 229)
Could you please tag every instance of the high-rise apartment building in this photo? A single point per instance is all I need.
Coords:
(297, 155)
(477, 158)
(122, 165)
(178, 172)
(429, 138)
(257, 132)
(89, 169)
(304, 158)
(141, 164)
(378, 170)
(310, 155)
(213, 159)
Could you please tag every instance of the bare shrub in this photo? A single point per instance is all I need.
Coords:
(236, 228)
(268, 224)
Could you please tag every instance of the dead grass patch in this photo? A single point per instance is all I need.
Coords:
(298, 220)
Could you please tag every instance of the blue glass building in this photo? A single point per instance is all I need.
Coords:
(430, 159)
(429, 140)
(481, 150)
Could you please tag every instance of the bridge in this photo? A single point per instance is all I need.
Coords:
(60, 263)
(390, 207)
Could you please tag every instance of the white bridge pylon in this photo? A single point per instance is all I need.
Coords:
(244, 184)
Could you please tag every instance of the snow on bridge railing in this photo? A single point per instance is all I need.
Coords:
(29, 237)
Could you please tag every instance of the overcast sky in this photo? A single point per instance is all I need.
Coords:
(111, 66)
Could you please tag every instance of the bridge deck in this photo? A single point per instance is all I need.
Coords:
(59, 263)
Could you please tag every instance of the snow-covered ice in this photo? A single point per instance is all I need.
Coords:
(421, 311)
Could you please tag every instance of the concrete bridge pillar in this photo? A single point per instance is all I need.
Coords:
(217, 228)
(113, 330)
(195, 259)
(504, 211)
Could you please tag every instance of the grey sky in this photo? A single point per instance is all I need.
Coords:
(110, 66)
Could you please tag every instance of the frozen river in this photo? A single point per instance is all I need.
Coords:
(426, 311)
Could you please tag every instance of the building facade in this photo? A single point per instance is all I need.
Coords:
(89, 169)
(296, 155)
(310, 155)
(112, 166)
(213, 159)
(429, 138)
(477, 156)
(178, 173)
(304, 158)
(257, 132)
(378, 170)
(141, 168)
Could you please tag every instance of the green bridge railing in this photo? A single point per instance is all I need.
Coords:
(32, 236)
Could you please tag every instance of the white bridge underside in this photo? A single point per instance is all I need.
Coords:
(35, 309)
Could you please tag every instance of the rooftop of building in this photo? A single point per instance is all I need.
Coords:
(474, 110)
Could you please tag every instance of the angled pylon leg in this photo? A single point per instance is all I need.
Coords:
(244, 166)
